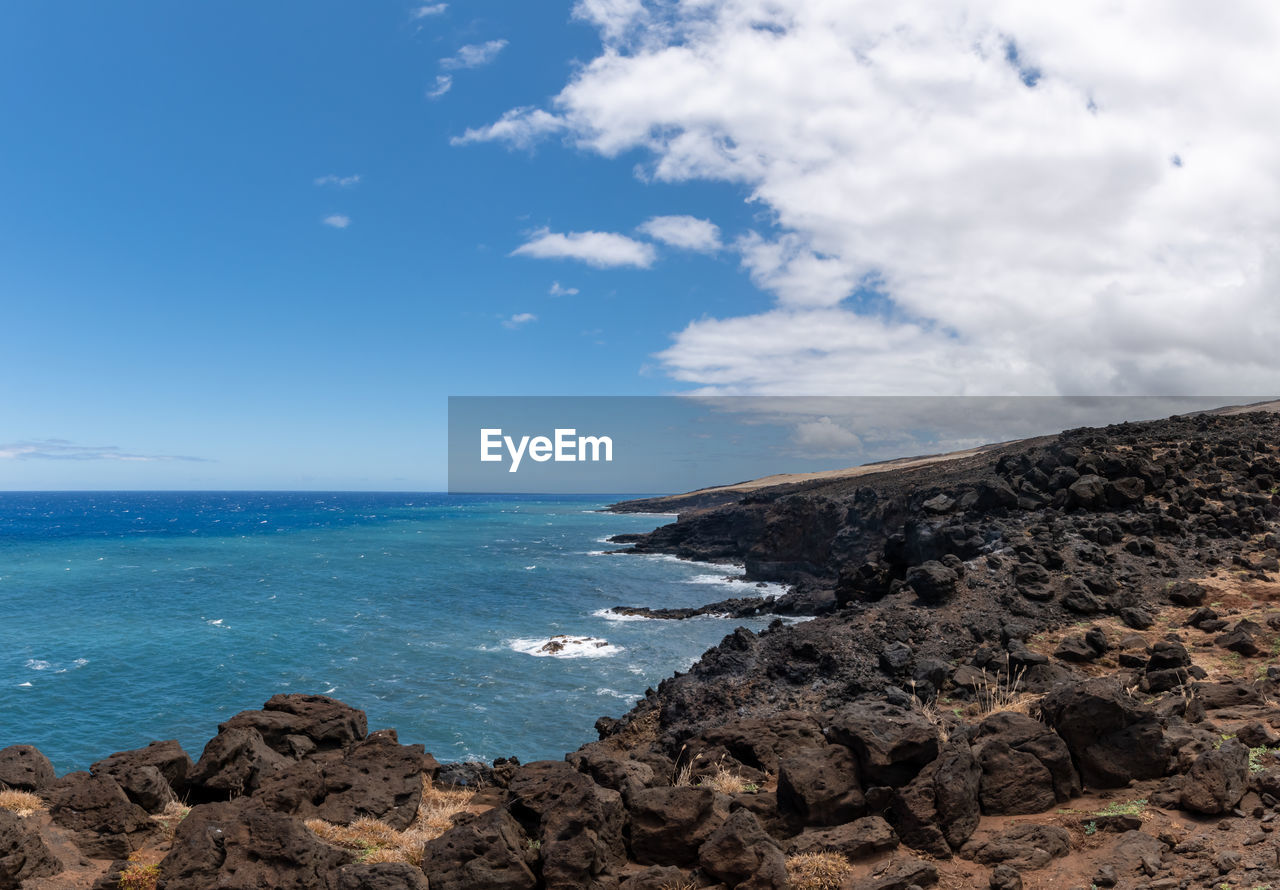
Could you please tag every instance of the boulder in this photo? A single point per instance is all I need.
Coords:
(938, 810)
(104, 823)
(1226, 694)
(614, 769)
(23, 854)
(241, 844)
(892, 744)
(898, 876)
(932, 581)
(1112, 737)
(168, 758)
(1026, 767)
(235, 762)
(577, 823)
(742, 855)
(1004, 877)
(489, 852)
(24, 768)
(1186, 593)
(861, 837)
(378, 778)
(295, 725)
(657, 877)
(1025, 847)
(758, 742)
(1135, 853)
(1217, 780)
(819, 786)
(669, 825)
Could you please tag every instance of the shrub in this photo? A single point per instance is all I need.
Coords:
(139, 877)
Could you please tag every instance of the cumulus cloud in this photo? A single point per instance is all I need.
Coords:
(62, 449)
(1049, 198)
(430, 9)
(444, 83)
(474, 55)
(337, 221)
(339, 181)
(600, 249)
(824, 436)
(685, 232)
(518, 320)
(558, 290)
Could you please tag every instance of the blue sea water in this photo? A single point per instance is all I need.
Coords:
(128, 617)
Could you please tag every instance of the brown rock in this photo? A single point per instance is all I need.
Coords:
(24, 768)
(102, 819)
(669, 825)
(819, 786)
(489, 852)
(23, 854)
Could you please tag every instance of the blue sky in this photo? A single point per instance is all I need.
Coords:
(258, 245)
(169, 287)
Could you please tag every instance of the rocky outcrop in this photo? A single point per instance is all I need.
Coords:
(23, 768)
(23, 853)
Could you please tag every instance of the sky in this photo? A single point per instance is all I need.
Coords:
(258, 245)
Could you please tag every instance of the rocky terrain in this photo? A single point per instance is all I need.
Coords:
(1050, 664)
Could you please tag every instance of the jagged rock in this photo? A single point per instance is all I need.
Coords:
(1137, 618)
(1075, 649)
(613, 768)
(378, 778)
(819, 786)
(1112, 738)
(1003, 877)
(759, 742)
(1187, 593)
(1239, 639)
(102, 819)
(1257, 735)
(1087, 492)
(1136, 852)
(381, 876)
(489, 852)
(1123, 493)
(1226, 694)
(892, 744)
(577, 823)
(294, 725)
(1025, 847)
(23, 854)
(1026, 767)
(938, 810)
(24, 768)
(236, 761)
(668, 825)
(1217, 780)
(168, 757)
(240, 844)
(861, 837)
(902, 876)
(742, 855)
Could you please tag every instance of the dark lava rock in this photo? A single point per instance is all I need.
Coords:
(861, 837)
(892, 743)
(1112, 738)
(381, 876)
(819, 786)
(295, 725)
(1026, 767)
(741, 854)
(236, 761)
(657, 877)
(1186, 593)
(1226, 694)
(24, 768)
(239, 844)
(151, 776)
(938, 810)
(1004, 877)
(23, 854)
(489, 852)
(902, 876)
(759, 742)
(1217, 780)
(1075, 649)
(1239, 639)
(1027, 846)
(102, 819)
(577, 824)
(669, 825)
(932, 581)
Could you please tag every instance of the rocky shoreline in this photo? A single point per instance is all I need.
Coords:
(1048, 664)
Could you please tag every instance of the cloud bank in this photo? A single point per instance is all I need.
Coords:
(959, 197)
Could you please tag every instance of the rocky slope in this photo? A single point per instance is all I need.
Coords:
(1049, 664)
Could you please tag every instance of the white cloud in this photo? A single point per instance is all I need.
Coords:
(428, 10)
(557, 290)
(686, 232)
(599, 249)
(474, 55)
(61, 449)
(1004, 173)
(518, 320)
(337, 221)
(444, 83)
(520, 127)
(339, 181)
(824, 436)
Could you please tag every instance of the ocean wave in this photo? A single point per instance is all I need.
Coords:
(610, 615)
(613, 693)
(767, 589)
(37, 664)
(565, 646)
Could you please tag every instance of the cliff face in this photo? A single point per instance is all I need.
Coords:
(1050, 662)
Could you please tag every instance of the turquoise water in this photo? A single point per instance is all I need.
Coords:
(127, 617)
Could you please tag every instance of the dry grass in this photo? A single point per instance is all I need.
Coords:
(817, 871)
(1002, 693)
(726, 781)
(931, 712)
(21, 803)
(376, 841)
(168, 818)
(687, 884)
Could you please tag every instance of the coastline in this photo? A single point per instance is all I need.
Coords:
(1051, 663)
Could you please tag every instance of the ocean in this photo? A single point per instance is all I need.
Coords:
(127, 617)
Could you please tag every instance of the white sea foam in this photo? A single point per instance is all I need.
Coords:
(27, 684)
(610, 615)
(742, 586)
(37, 664)
(613, 693)
(564, 646)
